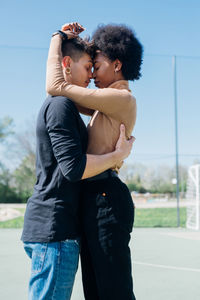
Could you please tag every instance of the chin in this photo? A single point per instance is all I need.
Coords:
(84, 84)
(98, 85)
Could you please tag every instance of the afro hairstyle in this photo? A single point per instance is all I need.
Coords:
(120, 42)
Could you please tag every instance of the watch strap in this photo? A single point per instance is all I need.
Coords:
(61, 33)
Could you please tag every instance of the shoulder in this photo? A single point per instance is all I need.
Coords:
(129, 104)
(59, 109)
(124, 94)
(132, 104)
(133, 99)
(130, 99)
(60, 104)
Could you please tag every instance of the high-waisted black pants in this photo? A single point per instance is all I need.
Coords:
(107, 215)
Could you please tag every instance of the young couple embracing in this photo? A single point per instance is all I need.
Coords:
(79, 204)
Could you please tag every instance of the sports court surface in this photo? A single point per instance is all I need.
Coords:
(166, 265)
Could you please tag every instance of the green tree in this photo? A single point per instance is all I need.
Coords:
(24, 174)
(157, 179)
(6, 125)
(7, 192)
(24, 177)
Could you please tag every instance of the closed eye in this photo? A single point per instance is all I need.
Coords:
(88, 68)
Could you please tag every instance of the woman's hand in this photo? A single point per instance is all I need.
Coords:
(72, 29)
(123, 146)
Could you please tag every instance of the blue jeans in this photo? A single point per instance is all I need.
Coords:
(54, 267)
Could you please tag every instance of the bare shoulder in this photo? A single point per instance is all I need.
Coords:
(131, 98)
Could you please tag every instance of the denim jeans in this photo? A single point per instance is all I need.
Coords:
(53, 270)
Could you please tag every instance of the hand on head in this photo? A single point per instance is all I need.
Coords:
(72, 29)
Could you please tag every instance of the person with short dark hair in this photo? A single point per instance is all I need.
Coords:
(51, 231)
(107, 206)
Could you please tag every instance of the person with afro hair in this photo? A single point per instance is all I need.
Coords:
(118, 42)
(107, 208)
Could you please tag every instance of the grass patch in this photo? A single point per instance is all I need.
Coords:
(148, 217)
(14, 223)
(22, 210)
(159, 217)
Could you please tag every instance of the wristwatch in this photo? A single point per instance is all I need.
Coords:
(61, 33)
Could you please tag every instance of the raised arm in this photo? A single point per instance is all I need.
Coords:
(109, 101)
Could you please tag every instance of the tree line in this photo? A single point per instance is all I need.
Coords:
(16, 186)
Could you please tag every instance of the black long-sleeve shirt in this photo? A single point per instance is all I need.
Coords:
(52, 210)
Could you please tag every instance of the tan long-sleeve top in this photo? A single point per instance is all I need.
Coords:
(113, 105)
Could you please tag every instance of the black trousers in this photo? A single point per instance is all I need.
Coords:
(107, 220)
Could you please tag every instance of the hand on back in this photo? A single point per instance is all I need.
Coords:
(123, 147)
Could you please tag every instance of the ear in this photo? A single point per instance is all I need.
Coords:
(118, 65)
(66, 61)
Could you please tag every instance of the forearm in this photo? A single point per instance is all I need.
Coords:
(84, 110)
(96, 164)
(54, 72)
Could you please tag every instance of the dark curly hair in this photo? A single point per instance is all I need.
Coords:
(120, 42)
(75, 48)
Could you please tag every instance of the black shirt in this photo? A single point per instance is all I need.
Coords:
(52, 211)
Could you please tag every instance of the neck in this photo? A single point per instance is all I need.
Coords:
(119, 76)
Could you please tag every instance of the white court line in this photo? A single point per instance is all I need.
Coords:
(166, 267)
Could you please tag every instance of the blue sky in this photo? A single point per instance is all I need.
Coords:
(165, 28)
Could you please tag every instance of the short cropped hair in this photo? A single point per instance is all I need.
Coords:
(120, 42)
(75, 48)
